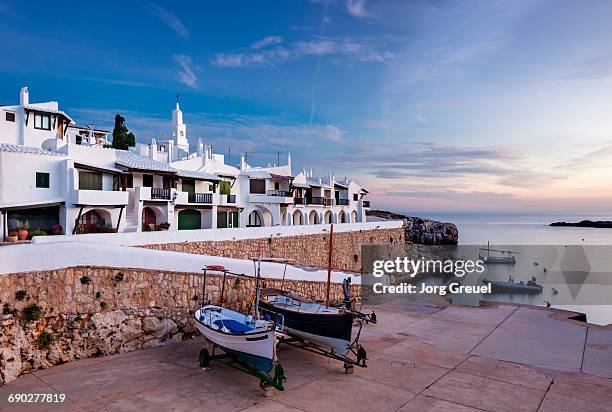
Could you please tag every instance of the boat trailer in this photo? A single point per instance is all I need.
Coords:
(355, 348)
(277, 381)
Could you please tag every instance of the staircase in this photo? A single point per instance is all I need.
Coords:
(131, 220)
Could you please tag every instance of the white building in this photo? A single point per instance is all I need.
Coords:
(55, 173)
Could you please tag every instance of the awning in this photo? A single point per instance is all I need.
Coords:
(298, 184)
(192, 174)
(32, 204)
(97, 168)
(257, 174)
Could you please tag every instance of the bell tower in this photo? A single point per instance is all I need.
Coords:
(179, 129)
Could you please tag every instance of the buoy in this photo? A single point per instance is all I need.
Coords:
(553, 291)
(548, 304)
(545, 270)
(535, 263)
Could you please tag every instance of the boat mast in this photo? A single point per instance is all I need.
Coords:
(257, 289)
(223, 287)
(329, 263)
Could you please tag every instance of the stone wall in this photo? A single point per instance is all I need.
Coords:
(95, 311)
(312, 250)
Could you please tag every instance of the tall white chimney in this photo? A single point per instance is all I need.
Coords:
(24, 96)
(200, 147)
(242, 163)
(153, 149)
(289, 161)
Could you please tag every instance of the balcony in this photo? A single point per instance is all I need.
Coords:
(323, 201)
(342, 202)
(160, 194)
(281, 193)
(206, 198)
(99, 197)
(366, 204)
(299, 200)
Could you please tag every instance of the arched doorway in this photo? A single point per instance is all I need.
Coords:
(148, 218)
(298, 218)
(342, 217)
(189, 219)
(354, 217)
(93, 222)
(254, 219)
(328, 217)
(313, 218)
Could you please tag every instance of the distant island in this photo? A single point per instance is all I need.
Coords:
(605, 224)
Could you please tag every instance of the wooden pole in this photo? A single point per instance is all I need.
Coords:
(284, 273)
(329, 263)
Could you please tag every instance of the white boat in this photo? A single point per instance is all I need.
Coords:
(252, 341)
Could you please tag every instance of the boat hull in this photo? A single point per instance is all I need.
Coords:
(330, 330)
(505, 287)
(257, 348)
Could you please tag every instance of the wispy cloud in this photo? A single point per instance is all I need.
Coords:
(170, 19)
(593, 69)
(266, 42)
(356, 8)
(186, 71)
(348, 49)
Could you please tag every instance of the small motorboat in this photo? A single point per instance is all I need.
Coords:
(252, 341)
(314, 322)
(510, 286)
(504, 257)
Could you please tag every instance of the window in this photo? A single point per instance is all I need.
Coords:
(42, 180)
(10, 116)
(167, 182)
(90, 181)
(355, 197)
(147, 180)
(129, 181)
(42, 121)
(189, 185)
(276, 185)
(258, 186)
(254, 220)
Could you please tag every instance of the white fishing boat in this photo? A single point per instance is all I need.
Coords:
(252, 341)
(504, 257)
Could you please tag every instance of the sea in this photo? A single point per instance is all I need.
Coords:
(528, 234)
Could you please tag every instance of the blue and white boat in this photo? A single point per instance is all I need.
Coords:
(251, 340)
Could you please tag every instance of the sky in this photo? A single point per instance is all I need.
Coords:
(435, 106)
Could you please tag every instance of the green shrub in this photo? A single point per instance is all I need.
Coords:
(32, 312)
(85, 280)
(44, 340)
(98, 294)
(6, 310)
(21, 295)
(103, 305)
(37, 232)
(119, 277)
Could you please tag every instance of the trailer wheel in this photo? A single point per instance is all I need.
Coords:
(204, 359)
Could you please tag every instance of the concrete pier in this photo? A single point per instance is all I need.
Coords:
(421, 358)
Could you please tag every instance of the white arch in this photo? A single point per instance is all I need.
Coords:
(297, 218)
(342, 217)
(354, 217)
(313, 218)
(328, 217)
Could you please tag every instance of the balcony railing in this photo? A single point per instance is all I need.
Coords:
(200, 198)
(230, 199)
(158, 193)
(324, 201)
(280, 193)
(366, 203)
(299, 200)
(342, 202)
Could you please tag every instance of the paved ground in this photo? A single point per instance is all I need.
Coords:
(498, 358)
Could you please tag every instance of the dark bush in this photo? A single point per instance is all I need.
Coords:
(21, 295)
(44, 340)
(85, 280)
(32, 312)
(119, 277)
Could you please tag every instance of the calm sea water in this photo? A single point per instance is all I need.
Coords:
(508, 230)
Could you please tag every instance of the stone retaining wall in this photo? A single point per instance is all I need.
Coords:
(96, 311)
(312, 250)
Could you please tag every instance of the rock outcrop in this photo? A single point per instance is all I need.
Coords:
(422, 231)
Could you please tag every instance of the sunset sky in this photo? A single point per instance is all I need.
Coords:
(439, 106)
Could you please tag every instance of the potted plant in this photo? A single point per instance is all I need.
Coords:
(164, 226)
(57, 229)
(13, 236)
(23, 229)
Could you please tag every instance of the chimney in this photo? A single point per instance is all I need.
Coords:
(289, 161)
(200, 147)
(153, 149)
(242, 163)
(24, 96)
(170, 151)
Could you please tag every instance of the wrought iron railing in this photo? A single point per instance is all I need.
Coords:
(299, 200)
(159, 193)
(342, 202)
(281, 193)
(200, 197)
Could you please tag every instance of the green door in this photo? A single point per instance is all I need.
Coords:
(189, 219)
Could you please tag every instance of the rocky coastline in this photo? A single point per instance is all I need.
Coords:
(422, 231)
(600, 224)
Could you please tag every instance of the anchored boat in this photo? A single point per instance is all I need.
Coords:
(504, 257)
(511, 286)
